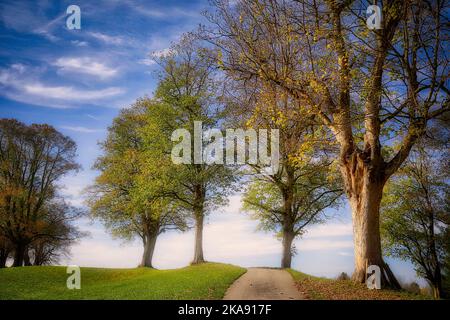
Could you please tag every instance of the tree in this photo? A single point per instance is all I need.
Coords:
(374, 89)
(32, 159)
(57, 233)
(128, 195)
(295, 196)
(415, 217)
(189, 90)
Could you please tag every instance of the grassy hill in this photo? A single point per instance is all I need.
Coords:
(329, 289)
(205, 281)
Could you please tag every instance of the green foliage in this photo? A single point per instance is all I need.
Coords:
(128, 195)
(188, 92)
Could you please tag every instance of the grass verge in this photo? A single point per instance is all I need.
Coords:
(204, 281)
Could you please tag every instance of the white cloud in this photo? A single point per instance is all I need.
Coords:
(315, 244)
(114, 40)
(167, 12)
(21, 84)
(330, 230)
(147, 62)
(345, 253)
(81, 129)
(70, 93)
(79, 43)
(85, 65)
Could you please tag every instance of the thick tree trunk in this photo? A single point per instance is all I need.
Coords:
(365, 200)
(288, 237)
(198, 251)
(19, 253)
(149, 248)
(438, 292)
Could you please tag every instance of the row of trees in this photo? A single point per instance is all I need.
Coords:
(350, 104)
(140, 191)
(140, 186)
(35, 221)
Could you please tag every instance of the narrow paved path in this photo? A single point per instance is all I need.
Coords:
(264, 284)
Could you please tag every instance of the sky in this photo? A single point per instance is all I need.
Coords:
(78, 80)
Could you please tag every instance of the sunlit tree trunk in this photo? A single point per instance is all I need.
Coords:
(364, 186)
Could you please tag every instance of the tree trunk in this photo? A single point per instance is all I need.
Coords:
(436, 283)
(288, 237)
(149, 248)
(26, 258)
(19, 253)
(365, 189)
(198, 251)
(3, 257)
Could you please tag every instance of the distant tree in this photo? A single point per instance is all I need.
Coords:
(415, 216)
(343, 276)
(32, 159)
(58, 233)
(413, 287)
(128, 195)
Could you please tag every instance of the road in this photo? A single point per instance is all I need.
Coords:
(264, 284)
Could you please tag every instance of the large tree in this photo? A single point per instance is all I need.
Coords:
(128, 195)
(189, 90)
(32, 159)
(375, 89)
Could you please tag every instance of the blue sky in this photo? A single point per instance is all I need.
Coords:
(77, 81)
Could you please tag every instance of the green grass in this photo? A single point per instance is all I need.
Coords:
(204, 281)
(329, 289)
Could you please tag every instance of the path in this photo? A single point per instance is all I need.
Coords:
(264, 284)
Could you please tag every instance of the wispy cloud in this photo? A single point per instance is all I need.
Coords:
(85, 65)
(167, 13)
(81, 129)
(147, 62)
(108, 39)
(20, 84)
(79, 43)
(69, 93)
(330, 230)
(28, 17)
